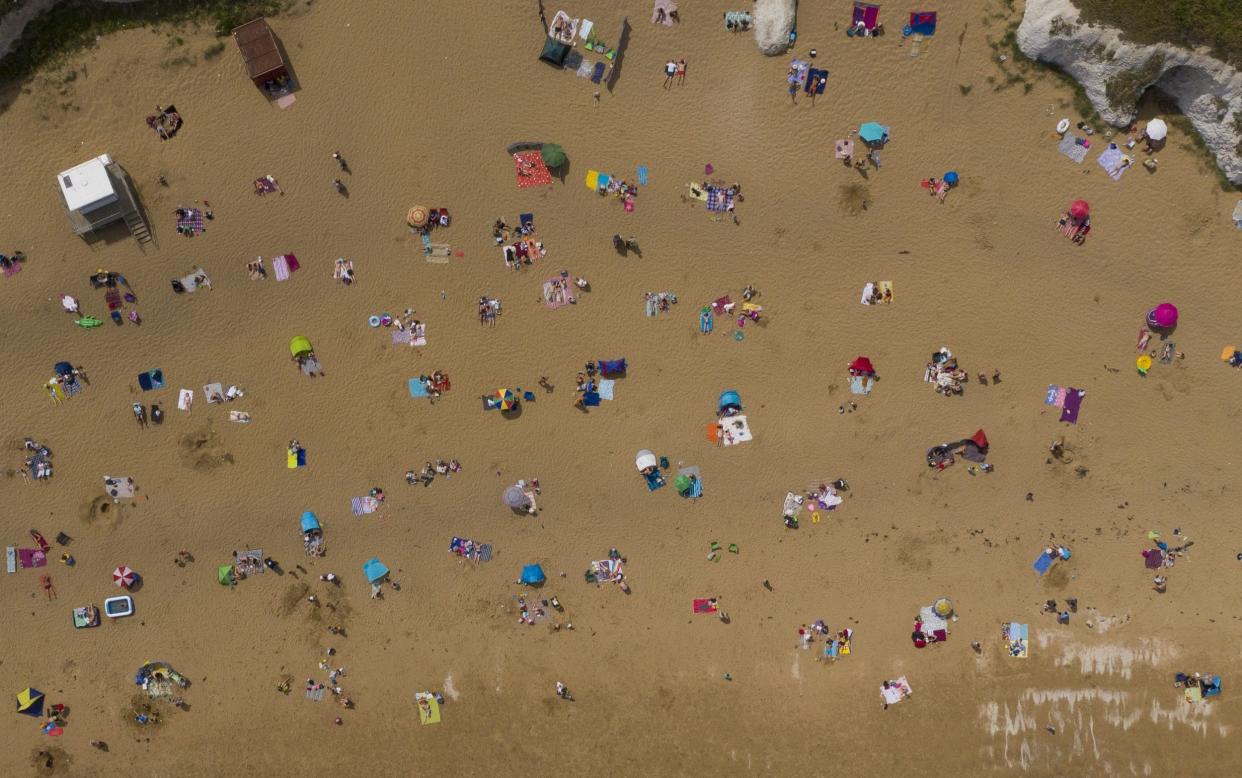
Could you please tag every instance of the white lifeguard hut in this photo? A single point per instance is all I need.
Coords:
(97, 193)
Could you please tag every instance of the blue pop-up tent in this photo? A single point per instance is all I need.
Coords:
(533, 575)
(374, 570)
(310, 522)
(730, 400)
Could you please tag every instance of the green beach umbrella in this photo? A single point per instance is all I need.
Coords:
(553, 155)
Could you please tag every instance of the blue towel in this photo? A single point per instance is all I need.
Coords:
(606, 385)
(1050, 398)
(642, 175)
(418, 388)
(301, 457)
(1043, 563)
(598, 74)
(528, 396)
(654, 481)
(696, 488)
(590, 399)
(706, 322)
(144, 381)
(861, 384)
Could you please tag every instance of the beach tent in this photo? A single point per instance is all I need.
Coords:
(1163, 316)
(730, 402)
(873, 132)
(30, 702)
(645, 459)
(554, 52)
(532, 575)
(922, 23)
(300, 346)
(980, 440)
(866, 14)
(224, 574)
(262, 55)
(310, 522)
(374, 570)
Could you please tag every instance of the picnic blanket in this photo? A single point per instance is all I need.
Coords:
(1017, 639)
(191, 222)
(556, 293)
(861, 384)
(471, 549)
(1111, 160)
(364, 505)
(606, 388)
(530, 169)
(896, 691)
(606, 569)
(705, 605)
(735, 430)
(1070, 147)
(1073, 401)
(719, 200)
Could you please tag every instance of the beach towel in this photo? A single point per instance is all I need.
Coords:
(1111, 160)
(1073, 401)
(556, 293)
(592, 180)
(642, 175)
(886, 290)
(897, 690)
(185, 400)
(190, 222)
(428, 708)
(10, 558)
(240, 417)
(214, 393)
(402, 337)
(1153, 558)
(13, 269)
(667, 6)
(296, 459)
(861, 384)
(1072, 149)
(705, 605)
(530, 170)
(471, 549)
(112, 298)
(72, 388)
(418, 388)
(31, 557)
(1050, 397)
(735, 430)
(597, 75)
(265, 185)
(1017, 639)
(697, 192)
(719, 200)
(591, 399)
(606, 388)
(867, 291)
(655, 480)
(811, 75)
(282, 267)
(315, 693)
(1044, 562)
(364, 505)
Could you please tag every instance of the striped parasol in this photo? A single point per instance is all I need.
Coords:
(417, 217)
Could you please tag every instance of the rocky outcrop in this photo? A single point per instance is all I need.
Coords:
(1115, 73)
(773, 20)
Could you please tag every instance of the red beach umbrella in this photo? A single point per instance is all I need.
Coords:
(123, 577)
(1079, 209)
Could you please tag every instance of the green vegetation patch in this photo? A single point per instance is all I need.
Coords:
(1216, 24)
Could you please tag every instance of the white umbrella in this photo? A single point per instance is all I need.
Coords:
(1156, 129)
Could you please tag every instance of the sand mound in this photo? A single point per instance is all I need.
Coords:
(202, 450)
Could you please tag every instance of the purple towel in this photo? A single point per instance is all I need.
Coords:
(1073, 401)
(31, 557)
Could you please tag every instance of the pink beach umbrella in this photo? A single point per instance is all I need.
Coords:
(123, 577)
(1163, 316)
(1079, 209)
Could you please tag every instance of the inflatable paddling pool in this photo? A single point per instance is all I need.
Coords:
(118, 607)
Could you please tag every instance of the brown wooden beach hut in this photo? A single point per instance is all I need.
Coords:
(265, 62)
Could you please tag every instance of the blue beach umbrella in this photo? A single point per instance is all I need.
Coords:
(873, 132)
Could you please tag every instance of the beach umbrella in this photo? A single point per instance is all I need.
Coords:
(1163, 316)
(123, 577)
(300, 346)
(1143, 364)
(862, 366)
(682, 484)
(729, 400)
(506, 398)
(417, 217)
(515, 498)
(533, 575)
(943, 607)
(553, 155)
(30, 702)
(1079, 209)
(1156, 129)
(873, 132)
(950, 178)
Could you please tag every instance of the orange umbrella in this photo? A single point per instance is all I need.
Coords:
(417, 217)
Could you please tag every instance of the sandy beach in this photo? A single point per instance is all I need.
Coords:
(422, 102)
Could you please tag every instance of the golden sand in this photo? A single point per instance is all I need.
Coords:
(422, 102)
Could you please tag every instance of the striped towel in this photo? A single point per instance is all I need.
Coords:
(402, 337)
(73, 388)
(192, 222)
(280, 266)
(364, 505)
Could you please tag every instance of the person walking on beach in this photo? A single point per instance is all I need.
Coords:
(670, 70)
(341, 161)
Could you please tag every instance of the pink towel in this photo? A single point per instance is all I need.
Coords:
(280, 268)
(1060, 401)
(292, 259)
(31, 557)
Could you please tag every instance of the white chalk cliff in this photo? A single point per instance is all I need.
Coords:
(1115, 73)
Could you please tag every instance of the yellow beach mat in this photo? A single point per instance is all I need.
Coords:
(428, 708)
(697, 192)
(592, 180)
(293, 460)
(886, 289)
